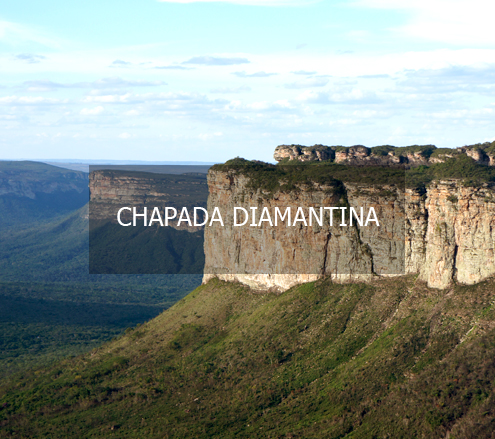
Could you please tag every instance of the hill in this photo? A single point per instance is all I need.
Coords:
(388, 359)
(32, 193)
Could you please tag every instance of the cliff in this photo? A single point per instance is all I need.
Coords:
(385, 155)
(112, 189)
(443, 231)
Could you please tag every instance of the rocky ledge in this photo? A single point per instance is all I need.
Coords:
(385, 155)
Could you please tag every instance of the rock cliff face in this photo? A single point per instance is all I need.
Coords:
(445, 234)
(460, 234)
(111, 190)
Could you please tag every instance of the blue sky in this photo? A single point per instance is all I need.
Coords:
(208, 81)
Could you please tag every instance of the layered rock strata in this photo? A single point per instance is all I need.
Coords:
(111, 190)
(446, 234)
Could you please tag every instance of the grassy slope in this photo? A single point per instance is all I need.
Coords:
(391, 359)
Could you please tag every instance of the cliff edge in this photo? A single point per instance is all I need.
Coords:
(437, 222)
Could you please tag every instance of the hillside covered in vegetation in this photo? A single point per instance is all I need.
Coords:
(387, 359)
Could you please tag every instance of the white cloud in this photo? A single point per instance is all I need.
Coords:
(210, 136)
(132, 113)
(92, 111)
(172, 67)
(450, 21)
(104, 83)
(282, 105)
(216, 61)
(30, 58)
(308, 83)
(174, 102)
(41, 85)
(249, 2)
(119, 82)
(303, 72)
(227, 90)
(125, 136)
(243, 74)
(110, 99)
(353, 96)
(120, 63)
(455, 79)
(30, 100)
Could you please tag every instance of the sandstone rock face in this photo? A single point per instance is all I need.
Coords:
(478, 156)
(445, 234)
(353, 154)
(362, 156)
(278, 257)
(316, 153)
(358, 155)
(109, 191)
(460, 234)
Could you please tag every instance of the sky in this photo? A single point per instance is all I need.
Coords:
(182, 80)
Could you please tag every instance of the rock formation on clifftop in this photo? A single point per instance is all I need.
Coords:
(385, 155)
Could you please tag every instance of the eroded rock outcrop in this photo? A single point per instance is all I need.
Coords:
(316, 153)
(385, 155)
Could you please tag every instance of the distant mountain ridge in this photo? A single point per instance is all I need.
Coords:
(33, 192)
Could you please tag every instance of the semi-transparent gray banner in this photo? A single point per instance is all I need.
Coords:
(255, 219)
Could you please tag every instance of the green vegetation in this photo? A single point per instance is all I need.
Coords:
(43, 321)
(440, 152)
(460, 167)
(298, 175)
(35, 193)
(388, 359)
(487, 147)
(45, 285)
(25, 345)
(29, 171)
(58, 251)
(53, 251)
(424, 150)
(148, 250)
(382, 150)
